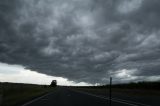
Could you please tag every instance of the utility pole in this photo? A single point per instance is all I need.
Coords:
(110, 92)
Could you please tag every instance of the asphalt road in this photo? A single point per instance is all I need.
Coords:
(67, 97)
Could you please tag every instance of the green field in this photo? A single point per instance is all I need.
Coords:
(13, 94)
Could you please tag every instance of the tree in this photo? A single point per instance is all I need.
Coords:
(53, 83)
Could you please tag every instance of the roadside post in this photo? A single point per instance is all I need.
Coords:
(110, 92)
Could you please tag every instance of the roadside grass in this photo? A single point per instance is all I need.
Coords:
(131, 92)
(16, 94)
(133, 89)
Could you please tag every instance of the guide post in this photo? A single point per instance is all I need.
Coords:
(110, 92)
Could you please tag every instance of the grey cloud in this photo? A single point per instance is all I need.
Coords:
(81, 40)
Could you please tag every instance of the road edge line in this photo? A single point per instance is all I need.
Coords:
(29, 102)
(114, 99)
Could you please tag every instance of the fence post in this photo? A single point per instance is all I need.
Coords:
(110, 92)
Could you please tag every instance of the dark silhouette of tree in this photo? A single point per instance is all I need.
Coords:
(53, 83)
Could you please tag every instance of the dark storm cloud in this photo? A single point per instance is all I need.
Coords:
(82, 40)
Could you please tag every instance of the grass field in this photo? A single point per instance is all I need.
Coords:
(134, 89)
(13, 94)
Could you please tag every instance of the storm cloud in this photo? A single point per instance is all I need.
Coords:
(83, 40)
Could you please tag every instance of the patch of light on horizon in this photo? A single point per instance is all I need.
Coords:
(18, 74)
(124, 75)
(153, 78)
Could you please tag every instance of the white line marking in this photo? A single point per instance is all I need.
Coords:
(102, 97)
(131, 102)
(114, 99)
(36, 99)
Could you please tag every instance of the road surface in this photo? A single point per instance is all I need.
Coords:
(68, 97)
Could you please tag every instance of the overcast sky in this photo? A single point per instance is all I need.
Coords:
(80, 41)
